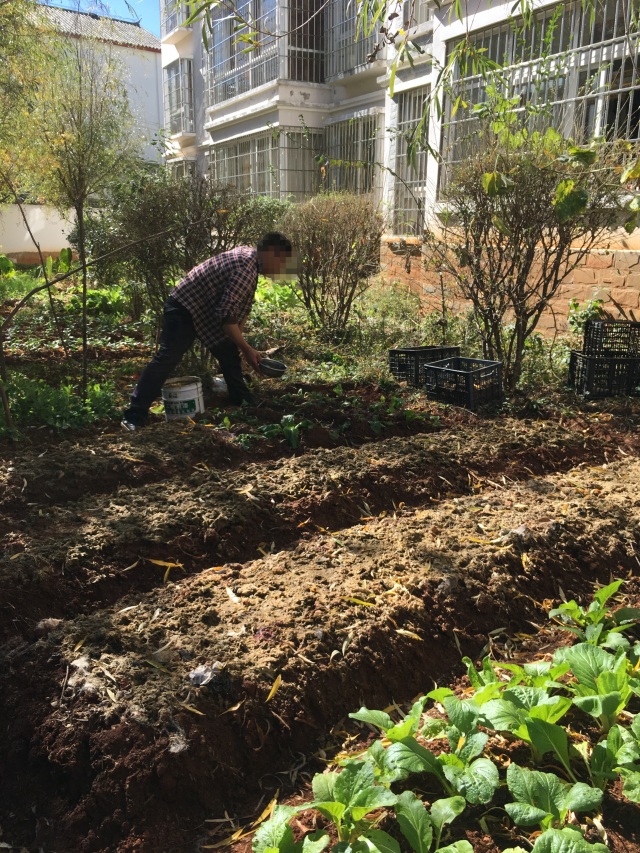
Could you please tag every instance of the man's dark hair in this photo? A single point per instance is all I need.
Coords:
(275, 240)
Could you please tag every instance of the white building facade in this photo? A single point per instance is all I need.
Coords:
(310, 109)
(139, 53)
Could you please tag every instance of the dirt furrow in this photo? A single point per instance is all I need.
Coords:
(92, 550)
(103, 708)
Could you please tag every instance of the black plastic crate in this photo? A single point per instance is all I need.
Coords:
(407, 363)
(467, 382)
(619, 338)
(602, 376)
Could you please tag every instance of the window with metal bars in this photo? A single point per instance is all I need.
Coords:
(350, 150)
(275, 163)
(235, 67)
(580, 71)
(232, 69)
(305, 48)
(416, 12)
(410, 175)
(178, 97)
(300, 176)
(345, 47)
(173, 14)
(248, 164)
(182, 168)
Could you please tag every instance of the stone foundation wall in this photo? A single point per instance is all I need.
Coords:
(605, 274)
(29, 259)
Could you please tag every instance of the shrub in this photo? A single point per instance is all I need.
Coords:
(16, 285)
(34, 403)
(521, 213)
(337, 237)
(592, 309)
(174, 223)
(104, 300)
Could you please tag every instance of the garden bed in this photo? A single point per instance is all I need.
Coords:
(355, 569)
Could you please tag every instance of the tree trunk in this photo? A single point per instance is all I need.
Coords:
(3, 363)
(516, 362)
(3, 379)
(83, 261)
(5, 405)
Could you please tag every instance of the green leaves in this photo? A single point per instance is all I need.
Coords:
(463, 715)
(502, 715)
(375, 841)
(587, 662)
(565, 840)
(477, 782)
(346, 798)
(411, 757)
(596, 624)
(620, 749)
(584, 156)
(631, 784)
(276, 834)
(569, 201)
(422, 829)
(530, 714)
(457, 847)
(414, 821)
(529, 706)
(605, 707)
(355, 789)
(315, 842)
(494, 183)
(546, 737)
(603, 686)
(631, 173)
(380, 719)
(407, 727)
(445, 811)
(544, 799)
(287, 429)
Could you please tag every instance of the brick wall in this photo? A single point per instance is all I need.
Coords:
(28, 259)
(608, 272)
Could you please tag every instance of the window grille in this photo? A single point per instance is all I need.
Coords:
(345, 52)
(416, 12)
(174, 14)
(182, 168)
(580, 71)
(178, 97)
(296, 56)
(410, 178)
(275, 163)
(351, 152)
(237, 163)
(300, 176)
(305, 48)
(230, 70)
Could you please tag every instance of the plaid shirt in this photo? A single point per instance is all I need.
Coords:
(219, 291)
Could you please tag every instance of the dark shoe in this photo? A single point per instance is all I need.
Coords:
(127, 426)
(245, 401)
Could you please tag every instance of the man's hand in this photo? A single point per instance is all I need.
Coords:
(253, 357)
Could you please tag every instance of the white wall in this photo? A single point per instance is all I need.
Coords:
(49, 228)
(145, 93)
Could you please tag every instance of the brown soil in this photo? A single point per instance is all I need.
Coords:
(348, 575)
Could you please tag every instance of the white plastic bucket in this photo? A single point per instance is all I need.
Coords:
(182, 397)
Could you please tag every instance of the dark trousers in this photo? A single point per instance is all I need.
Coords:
(178, 334)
